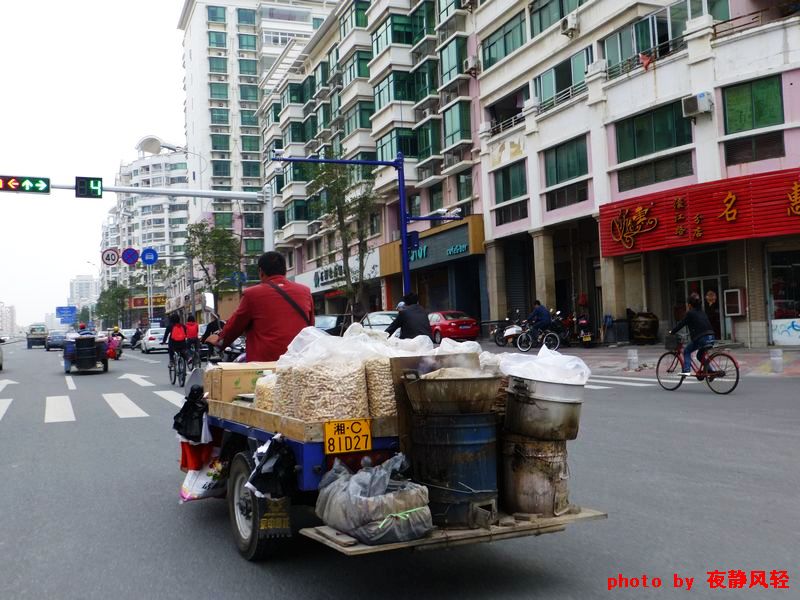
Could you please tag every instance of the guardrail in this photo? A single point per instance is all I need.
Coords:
(651, 55)
(507, 123)
(562, 96)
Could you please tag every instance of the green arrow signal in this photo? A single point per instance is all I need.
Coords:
(27, 185)
(41, 185)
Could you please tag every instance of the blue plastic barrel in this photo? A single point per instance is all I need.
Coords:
(455, 456)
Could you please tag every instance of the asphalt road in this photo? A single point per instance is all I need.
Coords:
(692, 482)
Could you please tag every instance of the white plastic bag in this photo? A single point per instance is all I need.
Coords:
(548, 365)
(489, 361)
(449, 346)
(206, 482)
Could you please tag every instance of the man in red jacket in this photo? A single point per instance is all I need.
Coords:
(271, 313)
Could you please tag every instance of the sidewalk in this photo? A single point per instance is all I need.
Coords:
(608, 359)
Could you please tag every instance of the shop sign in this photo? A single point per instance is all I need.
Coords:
(332, 276)
(141, 301)
(418, 253)
(761, 205)
(457, 249)
(440, 247)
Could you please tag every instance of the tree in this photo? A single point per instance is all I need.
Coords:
(217, 252)
(347, 201)
(112, 303)
(83, 315)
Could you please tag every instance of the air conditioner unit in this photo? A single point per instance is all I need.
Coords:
(697, 104)
(472, 65)
(428, 112)
(569, 25)
(467, 4)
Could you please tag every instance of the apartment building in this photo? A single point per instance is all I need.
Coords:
(83, 290)
(636, 152)
(370, 85)
(8, 319)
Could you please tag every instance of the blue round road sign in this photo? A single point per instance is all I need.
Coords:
(149, 256)
(130, 256)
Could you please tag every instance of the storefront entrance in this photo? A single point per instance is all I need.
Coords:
(703, 273)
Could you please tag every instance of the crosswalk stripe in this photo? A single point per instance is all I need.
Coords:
(4, 404)
(625, 383)
(123, 406)
(70, 382)
(58, 409)
(597, 387)
(175, 398)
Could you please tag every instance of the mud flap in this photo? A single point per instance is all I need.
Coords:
(275, 521)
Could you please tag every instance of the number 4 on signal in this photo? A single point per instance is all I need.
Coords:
(88, 187)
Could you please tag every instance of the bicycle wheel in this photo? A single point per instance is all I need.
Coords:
(722, 373)
(668, 371)
(551, 340)
(524, 341)
(172, 373)
(181, 371)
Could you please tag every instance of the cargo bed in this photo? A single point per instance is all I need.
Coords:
(509, 528)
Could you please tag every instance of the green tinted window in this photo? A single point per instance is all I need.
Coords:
(248, 118)
(653, 131)
(457, 124)
(248, 67)
(216, 14)
(504, 40)
(220, 142)
(566, 161)
(247, 41)
(510, 182)
(251, 143)
(219, 116)
(452, 59)
(246, 16)
(219, 91)
(218, 65)
(216, 39)
(753, 104)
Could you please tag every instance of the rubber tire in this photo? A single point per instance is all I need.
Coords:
(524, 341)
(667, 384)
(253, 548)
(105, 366)
(173, 373)
(182, 375)
(553, 345)
(710, 382)
(500, 339)
(437, 337)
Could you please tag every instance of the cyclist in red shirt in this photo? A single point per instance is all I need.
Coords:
(192, 334)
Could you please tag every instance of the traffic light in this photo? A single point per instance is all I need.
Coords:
(88, 187)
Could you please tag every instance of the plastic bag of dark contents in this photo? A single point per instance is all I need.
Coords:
(371, 506)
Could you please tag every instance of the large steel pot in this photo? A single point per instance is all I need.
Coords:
(451, 396)
(542, 410)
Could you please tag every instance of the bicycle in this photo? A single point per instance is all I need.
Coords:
(177, 369)
(718, 369)
(546, 337)
(194, 359)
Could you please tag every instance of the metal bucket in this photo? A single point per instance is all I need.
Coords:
(451, 396)
(535, 476)
(455, 456)
(542, 410)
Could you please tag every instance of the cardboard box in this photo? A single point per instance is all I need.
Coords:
(225, 381)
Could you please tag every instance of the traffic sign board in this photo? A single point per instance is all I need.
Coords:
(149, 256)
(68, 320)
(66, 311)
(130, 256)
(88, 187)
(110, 256)
(238, 277)
(24, 184)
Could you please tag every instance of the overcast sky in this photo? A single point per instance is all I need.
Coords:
(82, 82)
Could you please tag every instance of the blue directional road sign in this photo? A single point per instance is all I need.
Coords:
(67, 320)
(63, 312)
(238, 277)
(130, 256)
(149, 256)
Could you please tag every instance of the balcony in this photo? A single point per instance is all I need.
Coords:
(424, 50)
(457, 23)
(646, 58)
(429, 171)
(509, 123)
(758, 18)
(562, 97)
(295, 230)
(457, 159)
(456, 89)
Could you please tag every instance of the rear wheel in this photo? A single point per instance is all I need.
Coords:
(551, 341)
(181, 368)
(243, 510)
(499, 338)
(722, 373)
(173, 373)
(668, 371)
(524, 341)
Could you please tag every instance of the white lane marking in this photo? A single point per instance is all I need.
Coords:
(617, 377)
(123, 406)
(625, 383)
(137, 379)
(58, 409)
(597, 387)
(5, 382)
(4, 404)
(175, 398)
(70, 382)
(142, 359)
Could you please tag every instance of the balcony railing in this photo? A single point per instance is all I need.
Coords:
(562, 96)
(647, 57)
(507, 123)
(755, 19)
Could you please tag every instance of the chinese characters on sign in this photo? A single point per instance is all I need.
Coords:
(625, 227)
(698, 230)
(680, 205)
(794, 201)
(730, 213)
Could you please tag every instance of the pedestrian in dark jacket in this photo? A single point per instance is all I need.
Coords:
(700, 331)
(412, 320)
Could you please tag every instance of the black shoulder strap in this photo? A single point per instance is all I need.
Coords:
(291, 302)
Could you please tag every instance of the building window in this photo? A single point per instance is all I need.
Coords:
(253, 246)
(296, 211)
(374, 224)
(509, 213)
(248, 118)
(545, 13)
(566, 161)
(294, 133)
(653, 131)
(272, 116)
(423, 21)
(323, 114)
(452, 59)
(219, 91)
(219, 116)
(248, 66)
(278, 219)
(223, 220)
(464, 186)
(356, 66)
(358, 117)
(656, 171)
(457, 124)
(248, 93)
(504, 41)
(436, 197)
(510, 182)
(354, 16)
(220, 142)
(753, 148)
(426, 80)
(247, 41)
(218, 65)
(415, 205)
(251, 143)
(251, 169)
(395, 29)
(321, 73)
(293, 94)
(564, 81)
(295, 172)
(447, 8)
(216, 39)
(429, 139)
(397, 140)
(753, 105)
(216, 14)
(316, 22)
(246, 16)
(398, 85)
(220, 168)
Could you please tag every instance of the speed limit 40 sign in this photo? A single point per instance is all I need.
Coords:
(110, 256)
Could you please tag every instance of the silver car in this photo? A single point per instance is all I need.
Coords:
(379, 320)
(151, 340)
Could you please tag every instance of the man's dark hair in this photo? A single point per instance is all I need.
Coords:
(411, 298)
(174, 318)
(694, 300)
(272, 263)
(190, 319)
(537, 303)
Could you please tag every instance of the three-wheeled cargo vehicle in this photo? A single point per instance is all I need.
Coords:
(85, 352)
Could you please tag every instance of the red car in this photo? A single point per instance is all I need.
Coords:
(453, 324)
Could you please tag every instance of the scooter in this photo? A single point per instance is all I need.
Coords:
(114, 347)
(506, 331)
(584, 330)
(562, 327)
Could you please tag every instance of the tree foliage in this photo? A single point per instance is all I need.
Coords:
(112, 304)
(217, 252)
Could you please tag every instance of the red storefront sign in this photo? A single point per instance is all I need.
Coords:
(763, 205)
(141, 301)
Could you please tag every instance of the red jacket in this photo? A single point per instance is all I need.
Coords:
(268, 319)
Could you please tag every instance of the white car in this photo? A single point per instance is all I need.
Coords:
(151, 340)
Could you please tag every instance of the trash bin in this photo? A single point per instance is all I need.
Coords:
(621, 331)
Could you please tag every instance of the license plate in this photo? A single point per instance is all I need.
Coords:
(587, 338)
(347, 436)
(465, 326)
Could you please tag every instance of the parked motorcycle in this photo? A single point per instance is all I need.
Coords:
(585, 334)
(236, 350)
(526, 338)
(562, 327)
(506, 332)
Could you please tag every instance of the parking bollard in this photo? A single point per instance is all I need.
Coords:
(776, 360)
(633, 359)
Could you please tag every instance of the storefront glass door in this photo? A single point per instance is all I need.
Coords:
(705, 274)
